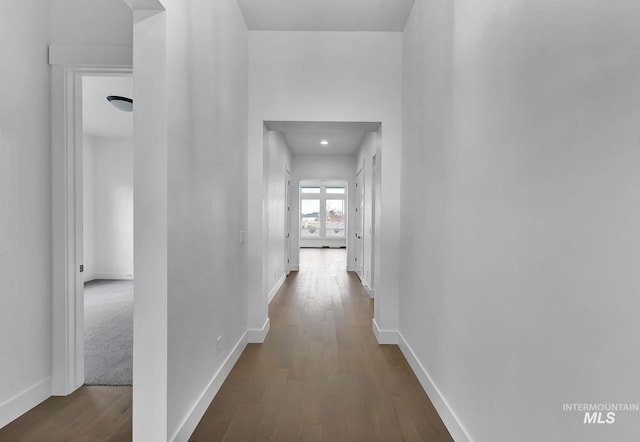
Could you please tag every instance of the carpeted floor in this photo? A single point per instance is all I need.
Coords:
(108, 332)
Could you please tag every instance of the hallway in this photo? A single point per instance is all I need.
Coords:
(320, 374)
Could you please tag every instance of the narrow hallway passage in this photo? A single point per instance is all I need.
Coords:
(320, 374)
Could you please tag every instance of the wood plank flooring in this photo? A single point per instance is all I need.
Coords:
(320, 375)
(96, 414)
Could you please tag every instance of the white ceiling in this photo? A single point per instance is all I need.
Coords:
(99, 117)
(326, 15)
(304, 137)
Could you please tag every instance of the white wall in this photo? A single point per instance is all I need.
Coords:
(327, 76)
(25, 275)
(89, 208)
(108, 208)
(207, 176)
(520, 292)
(150, 166)
(93, 23)
(276, 161)
(323, 168)
(370, 147)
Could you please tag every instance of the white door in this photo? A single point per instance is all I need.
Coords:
(359, 224)
(287, 222)
(372, 232)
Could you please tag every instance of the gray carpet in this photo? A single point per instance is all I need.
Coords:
(108, 332)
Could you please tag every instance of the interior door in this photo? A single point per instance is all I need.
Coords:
(287, 222)
(359, 224)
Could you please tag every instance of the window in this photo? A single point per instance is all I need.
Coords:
(334, 220)
(322, 212)
(309, 218)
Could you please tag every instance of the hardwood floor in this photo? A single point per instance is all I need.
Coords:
(94, 414)
(320, 375)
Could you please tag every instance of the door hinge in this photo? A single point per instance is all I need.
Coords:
(81, 268)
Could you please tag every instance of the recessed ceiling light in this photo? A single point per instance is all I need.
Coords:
(122, 103)
(324, 142)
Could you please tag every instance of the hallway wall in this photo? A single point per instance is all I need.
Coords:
(207, 176)
(520, 212)
(25, 231)
(327, 76)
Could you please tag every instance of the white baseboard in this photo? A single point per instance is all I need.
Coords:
(447, 415)
(294, 268)
(190, 423)
(109, 276)
(384, 336)
(89, 277)
(351, 268)
(257, 336)
(369, 291)
(24, 401)
(276, 287)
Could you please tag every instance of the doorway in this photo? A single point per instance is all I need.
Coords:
(323, 214)
(68, 268)
(107, 226)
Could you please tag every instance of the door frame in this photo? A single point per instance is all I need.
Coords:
(69, 65)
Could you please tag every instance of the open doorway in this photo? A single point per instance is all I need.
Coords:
(325, 158)
(107, 229)
(323, 214)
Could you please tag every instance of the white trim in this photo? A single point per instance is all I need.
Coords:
(332, 243)
(190, 422)
(384, 336)
(119, 276)
(351, 268)
(276, 287)
(294, 268)
(371, 292)
(24, 401)
(66, 214)
(257, 336)
(450, 419)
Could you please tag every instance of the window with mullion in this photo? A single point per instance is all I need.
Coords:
(322, 211)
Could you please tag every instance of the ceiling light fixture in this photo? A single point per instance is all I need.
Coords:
(122, 103)
(324, 142)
